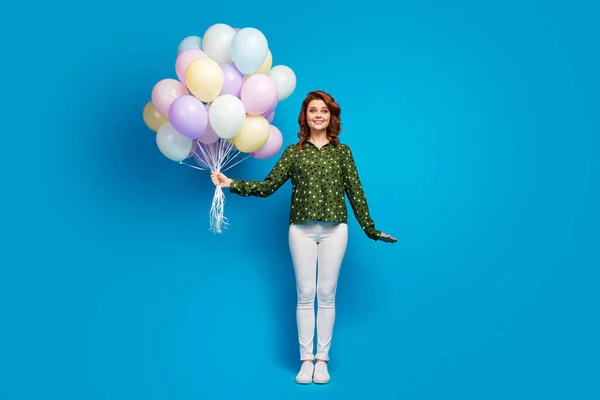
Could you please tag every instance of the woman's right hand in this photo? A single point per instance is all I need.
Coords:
(219, 179)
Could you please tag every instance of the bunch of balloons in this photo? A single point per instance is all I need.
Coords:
(222, 103)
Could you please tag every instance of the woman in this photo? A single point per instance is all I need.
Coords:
(321, 170)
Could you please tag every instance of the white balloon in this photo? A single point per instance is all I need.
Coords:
(216, 42)
(249, 50)
(227, 115)
(172, 144)
(285, 80)
(189, 42)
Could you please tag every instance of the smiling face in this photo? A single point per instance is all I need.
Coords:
(317, 115)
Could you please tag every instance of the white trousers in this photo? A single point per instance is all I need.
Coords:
(312, 245)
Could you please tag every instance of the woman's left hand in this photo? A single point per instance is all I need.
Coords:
(384, 237)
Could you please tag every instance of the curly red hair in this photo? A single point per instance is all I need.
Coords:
(335, 123)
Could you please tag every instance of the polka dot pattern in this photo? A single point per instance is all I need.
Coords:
(320, 179)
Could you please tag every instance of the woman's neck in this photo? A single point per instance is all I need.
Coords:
(318, 137)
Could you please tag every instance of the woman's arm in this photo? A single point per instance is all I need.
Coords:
(274, 180)
(356, 195)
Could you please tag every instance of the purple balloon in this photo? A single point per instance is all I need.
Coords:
(272, 146)
(269, 115)
(188, 116)
(233, 79)
(259, 94)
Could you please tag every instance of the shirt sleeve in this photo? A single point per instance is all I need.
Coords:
(274, 180)
(356, 195)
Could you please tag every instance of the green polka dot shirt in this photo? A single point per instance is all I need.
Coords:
(320, 178)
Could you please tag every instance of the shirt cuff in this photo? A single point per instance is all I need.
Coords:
(373, 233)
(233, 187)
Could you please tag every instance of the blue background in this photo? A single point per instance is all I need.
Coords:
(475, 130)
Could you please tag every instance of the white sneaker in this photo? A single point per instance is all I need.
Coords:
(305, 375)
(321, 374)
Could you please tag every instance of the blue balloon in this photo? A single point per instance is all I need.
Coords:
(190, 42)
(249, 49)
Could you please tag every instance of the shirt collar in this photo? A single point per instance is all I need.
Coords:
(313, 145)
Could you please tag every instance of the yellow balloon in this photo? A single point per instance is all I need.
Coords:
(204, 79)
(153, 118)
(266, 66)
(253, 135)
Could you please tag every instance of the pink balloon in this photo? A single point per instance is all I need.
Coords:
(259, 94)
(164, 94)
(272, 146)
(183, 61)
(209, 136)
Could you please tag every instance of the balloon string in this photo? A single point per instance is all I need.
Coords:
(230, 158)
(192, 166)
(245, 158)
(217, 217)
(218, 156)
(200, 159)
(210, 161)
(225, 154)
(214, 154)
